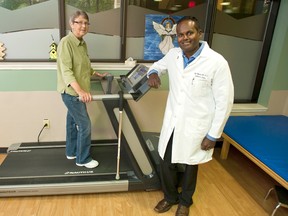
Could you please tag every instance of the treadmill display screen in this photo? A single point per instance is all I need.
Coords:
(137, 74)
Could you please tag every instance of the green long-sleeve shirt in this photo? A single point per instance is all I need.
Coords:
(73, 64)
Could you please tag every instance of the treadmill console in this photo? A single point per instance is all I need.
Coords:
(135, 81)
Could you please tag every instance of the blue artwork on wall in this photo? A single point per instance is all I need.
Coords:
(160, 35)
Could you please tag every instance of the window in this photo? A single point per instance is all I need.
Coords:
(104, 37)
(138, 9)
(241, 30)
(241, 35)
(32, 27)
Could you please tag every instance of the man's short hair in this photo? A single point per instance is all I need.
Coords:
(191, 18)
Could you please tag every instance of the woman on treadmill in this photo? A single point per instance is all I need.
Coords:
(74, 72)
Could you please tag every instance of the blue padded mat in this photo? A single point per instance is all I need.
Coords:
(265, 137)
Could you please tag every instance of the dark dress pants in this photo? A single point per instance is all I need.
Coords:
(173, 177)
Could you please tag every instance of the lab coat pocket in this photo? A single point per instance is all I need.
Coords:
(196, 128)
(200, 87)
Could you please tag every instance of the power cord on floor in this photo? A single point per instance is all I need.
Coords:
(45, 125)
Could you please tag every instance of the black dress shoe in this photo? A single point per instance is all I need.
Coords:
(163, 206)
(182, 210)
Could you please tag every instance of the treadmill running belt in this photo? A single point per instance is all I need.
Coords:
(51, 163)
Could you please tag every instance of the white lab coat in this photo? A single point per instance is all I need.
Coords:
(199, 102)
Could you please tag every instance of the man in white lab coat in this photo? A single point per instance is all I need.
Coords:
(200, 99)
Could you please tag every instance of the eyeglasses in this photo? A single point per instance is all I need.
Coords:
(82, 23)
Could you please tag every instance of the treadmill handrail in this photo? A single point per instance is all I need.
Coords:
(110, 96)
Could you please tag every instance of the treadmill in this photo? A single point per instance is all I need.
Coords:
(41, 168)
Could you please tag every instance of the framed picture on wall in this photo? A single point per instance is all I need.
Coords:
(160, 35)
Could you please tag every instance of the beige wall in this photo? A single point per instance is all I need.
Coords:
(22, 115)
(278, 103)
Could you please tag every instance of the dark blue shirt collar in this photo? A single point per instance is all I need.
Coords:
(194, 56)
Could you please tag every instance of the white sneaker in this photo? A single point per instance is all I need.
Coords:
(70, 157)
(91, 164)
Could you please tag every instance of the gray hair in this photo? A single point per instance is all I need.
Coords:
(77, 14)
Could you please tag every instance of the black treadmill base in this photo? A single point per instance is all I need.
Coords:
(31, 170)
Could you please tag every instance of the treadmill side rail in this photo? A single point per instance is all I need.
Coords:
(64, 188)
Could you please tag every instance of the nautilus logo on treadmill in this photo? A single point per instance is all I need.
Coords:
(78, 172)
(20, 151)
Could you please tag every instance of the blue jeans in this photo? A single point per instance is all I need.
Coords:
(78, 129)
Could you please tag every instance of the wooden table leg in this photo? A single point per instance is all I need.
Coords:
(225, 149)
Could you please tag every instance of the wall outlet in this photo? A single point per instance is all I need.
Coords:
(47, 123)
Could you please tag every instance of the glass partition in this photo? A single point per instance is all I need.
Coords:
(104, 36)
(28, 28)
(138, 9)
(241, 30)
(239, 33)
